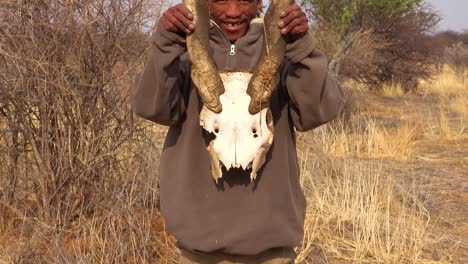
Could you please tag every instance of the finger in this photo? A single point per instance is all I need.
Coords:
(285, 21)
(299, 25)
(185, 16)
(172, 19)
(299, 30)
(288, 23)
(168, 25)
(185, 11)
(289, 9)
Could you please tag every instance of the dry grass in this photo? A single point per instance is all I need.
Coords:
(358, 215)
(392, 89)
(361, 213)
(447, 83)
(447, 119)
(78, 172)
(367, 138)
(443, 125)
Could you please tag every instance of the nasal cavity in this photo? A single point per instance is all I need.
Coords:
(254, 132)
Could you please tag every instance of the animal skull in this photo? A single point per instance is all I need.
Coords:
(242, 139)
(236, 104)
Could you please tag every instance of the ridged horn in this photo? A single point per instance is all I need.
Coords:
(266, 74)
(204, 73)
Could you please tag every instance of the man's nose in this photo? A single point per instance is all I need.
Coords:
(233, 9)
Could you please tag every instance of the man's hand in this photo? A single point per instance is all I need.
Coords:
(294, 22)
(178, 19)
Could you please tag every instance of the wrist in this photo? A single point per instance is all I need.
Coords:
(300, 47)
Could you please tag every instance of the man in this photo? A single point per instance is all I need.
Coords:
(236, 220)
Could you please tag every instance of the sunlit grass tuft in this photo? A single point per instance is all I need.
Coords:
(394, 89)
(447, 119)
(442, 126)
(367, 138)
(447, 83)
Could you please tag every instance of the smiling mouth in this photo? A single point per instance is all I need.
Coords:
(233, 24)
(233, 27)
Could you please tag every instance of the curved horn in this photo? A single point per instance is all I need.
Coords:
(265, 76)
(204, 73)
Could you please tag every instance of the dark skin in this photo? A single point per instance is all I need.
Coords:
(178, 19)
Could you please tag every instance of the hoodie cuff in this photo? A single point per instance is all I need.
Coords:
(300, 49)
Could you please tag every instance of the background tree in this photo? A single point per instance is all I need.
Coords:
(448, 38)
(393, 33)
(455, 54)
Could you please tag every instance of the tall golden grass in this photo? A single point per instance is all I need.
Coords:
(449, 117)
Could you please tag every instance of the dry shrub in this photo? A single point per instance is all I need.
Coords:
(377, 42)
(409, 54)
(449, 37)
(457, 57)
(358, 64)
(76, 164)
(456, 51)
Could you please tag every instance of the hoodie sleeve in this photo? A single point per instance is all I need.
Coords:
(158, 90)
(315, 97)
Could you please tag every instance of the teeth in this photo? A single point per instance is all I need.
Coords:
(232, 24)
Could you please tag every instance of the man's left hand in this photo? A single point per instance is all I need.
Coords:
(294, 22)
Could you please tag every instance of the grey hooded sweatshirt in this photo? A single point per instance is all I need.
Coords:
(235, 216)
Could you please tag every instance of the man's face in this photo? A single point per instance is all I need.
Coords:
(233, 16)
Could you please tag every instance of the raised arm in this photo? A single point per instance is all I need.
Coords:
(160, 89)
(315, 97)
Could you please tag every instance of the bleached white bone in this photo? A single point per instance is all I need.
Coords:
(241, 140)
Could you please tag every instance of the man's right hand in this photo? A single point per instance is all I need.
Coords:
(178, 19)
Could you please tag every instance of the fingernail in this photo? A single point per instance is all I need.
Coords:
(281, 23)
(283, 31)
(191, 26)
(282, 13)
